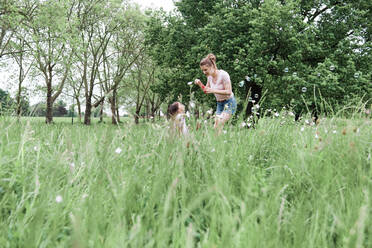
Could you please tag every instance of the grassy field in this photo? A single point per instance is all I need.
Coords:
(282, 184)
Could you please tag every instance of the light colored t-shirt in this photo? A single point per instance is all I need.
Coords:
(222, 78)
(180, 124)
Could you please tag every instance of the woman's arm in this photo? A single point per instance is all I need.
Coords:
(226, 91)
(201, 85)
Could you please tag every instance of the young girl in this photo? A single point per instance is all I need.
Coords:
(176, 112)
(218, 83)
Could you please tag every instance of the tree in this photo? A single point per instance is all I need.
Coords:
(282, 46)
(5, 102)
(95, 33)
(139, 83)
(60, 109)
(50, 43)
(125, 47)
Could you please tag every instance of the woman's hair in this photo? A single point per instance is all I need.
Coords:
(172, 109)
(209, 60)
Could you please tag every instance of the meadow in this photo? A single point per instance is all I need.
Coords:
(280, 184)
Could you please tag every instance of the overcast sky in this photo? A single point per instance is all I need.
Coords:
(5, 74)
(165, 4)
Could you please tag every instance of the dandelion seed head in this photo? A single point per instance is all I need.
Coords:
(59, 199)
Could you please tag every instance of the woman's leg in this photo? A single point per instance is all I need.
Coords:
(221, 120)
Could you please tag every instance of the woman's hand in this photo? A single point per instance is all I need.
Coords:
(198, 82)
(201, 85)
(208, 90)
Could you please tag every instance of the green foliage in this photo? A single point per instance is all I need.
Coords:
(59, 109)
(5, 102)
(8, 105)
(288, 47)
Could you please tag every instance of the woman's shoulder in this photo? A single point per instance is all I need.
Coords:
(224, 74)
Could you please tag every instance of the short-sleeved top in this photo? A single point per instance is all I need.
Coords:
(222, 78)
(180, 123)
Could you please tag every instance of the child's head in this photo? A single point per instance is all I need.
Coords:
(175, 108)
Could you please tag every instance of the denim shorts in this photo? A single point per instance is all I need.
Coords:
(227, 106)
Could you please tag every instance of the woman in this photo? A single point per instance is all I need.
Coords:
(218, 83)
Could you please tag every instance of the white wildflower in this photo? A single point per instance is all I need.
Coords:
(118, 150)
(189, 83)
(302, 129)
(276, 114)
(243, 124)
(213, 150)
(192, 104)
(59, 199)
(188, 114)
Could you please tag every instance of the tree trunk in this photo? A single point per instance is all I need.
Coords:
(136, 117)
(79, 108)
(117, 113)
(113, 108)
(19, 109)
(49, 107)
(101, 112)
(88, 111)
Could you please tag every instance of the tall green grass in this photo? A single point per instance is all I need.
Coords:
(281, 184)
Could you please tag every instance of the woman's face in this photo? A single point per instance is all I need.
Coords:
(207, 70)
